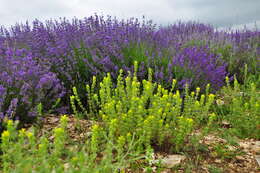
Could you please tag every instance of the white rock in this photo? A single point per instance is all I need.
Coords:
(256, 147)
(171, 161)
(257, 158)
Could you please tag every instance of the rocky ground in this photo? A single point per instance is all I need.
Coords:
(216, 157)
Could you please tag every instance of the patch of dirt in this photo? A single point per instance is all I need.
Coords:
(240, 158)
(219, 155)
(77, 129)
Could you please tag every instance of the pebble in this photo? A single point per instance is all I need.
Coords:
(171, 161)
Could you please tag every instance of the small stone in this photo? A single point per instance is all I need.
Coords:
(66, 166)
(256, 147)
(257, 157)
(218, 161)
(171, 161)
(240, 158)
(225, 124)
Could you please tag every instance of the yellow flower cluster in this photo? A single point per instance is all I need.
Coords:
(5, 134)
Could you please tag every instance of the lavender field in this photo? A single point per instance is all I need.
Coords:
(128, 93)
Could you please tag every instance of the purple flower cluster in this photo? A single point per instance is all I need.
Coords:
(24, 83)
(71, 52)
(201, 67)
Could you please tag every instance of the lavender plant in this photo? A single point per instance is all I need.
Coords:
(24, 84)
(78, 49)
(191, 52)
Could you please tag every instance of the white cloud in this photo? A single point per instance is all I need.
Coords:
(220, 13)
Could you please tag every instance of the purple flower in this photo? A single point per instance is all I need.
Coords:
(27, 83)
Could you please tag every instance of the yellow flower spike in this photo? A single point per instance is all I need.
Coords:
(58, 131)
(146, 122)
(121, 140)
(42, 147)
(22, 132)
(10, 123)
(128, 135)
(165, 96)
(178, 93)
(198, 89)
(189, 120)
(151, 117)
(29, 134)
(95, 127)
(180, 118)
(192, 93)
(202, 99)
(135, 63)
(212, 117)
(64, 118)
(197, 103)
(130, 111)
(104, 117)
(74, 89)
(114, 121)
(124, 116)
(5, 134)
(160, 111)
(94, 79)
(211, 96)
(227, 80)
(74, 159)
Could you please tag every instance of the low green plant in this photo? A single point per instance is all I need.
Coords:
(240, 106)
(214, 169)
(23, 152)
(156, 115)
(223, 151)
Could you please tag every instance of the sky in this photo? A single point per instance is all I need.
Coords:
(219, 13)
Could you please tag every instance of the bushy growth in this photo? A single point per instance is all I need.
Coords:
(24, 84)
(22, 151)
(240, 106)
(71, 52)
(197, 66)
(144, 89)
(145, 109)
(96, 45)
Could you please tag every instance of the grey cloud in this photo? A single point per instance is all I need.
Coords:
(221, 13)
(13, 11)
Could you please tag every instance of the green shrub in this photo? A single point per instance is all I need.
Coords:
(240, 106)
(154, 114)
(23, 152)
